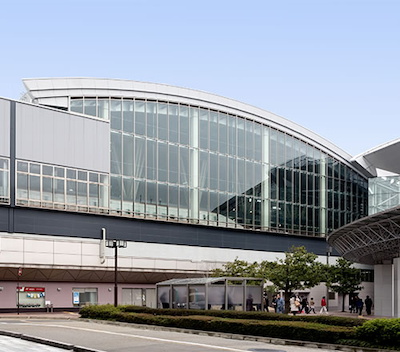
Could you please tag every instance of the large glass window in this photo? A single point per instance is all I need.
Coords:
(173, 119)
(163, 121)
(127, 154)
(204, 129)
(239, 172)
(104, 109)
(184, 126)
(116, 114)
(55, 187)
(140, 118)
(127, 116)
(173, 168)
(151, 120)
(90, 107)
(76, 105)
(82, 296)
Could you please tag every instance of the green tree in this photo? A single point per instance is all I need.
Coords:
(297, 271)
(343, 278)
(237, 268)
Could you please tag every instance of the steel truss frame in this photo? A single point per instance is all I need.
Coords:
(371, 240)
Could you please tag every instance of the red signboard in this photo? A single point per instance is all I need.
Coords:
(31, 289)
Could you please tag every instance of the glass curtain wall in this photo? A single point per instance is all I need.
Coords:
(311, 193)
(384, 193)
(191, 164)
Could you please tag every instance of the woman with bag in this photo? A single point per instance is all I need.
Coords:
(294, 304)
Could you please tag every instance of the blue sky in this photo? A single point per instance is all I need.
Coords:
(332, 66)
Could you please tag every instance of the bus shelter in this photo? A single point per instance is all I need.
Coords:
(219, 293)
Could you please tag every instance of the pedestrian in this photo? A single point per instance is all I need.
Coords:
(280, 303)
(274, 303)
(266, 302)
(360, 305)
(323, 306)
(294, 304)
(304, 305)
(368, 305)
(312, 306)
(352, 305)
(249, 303)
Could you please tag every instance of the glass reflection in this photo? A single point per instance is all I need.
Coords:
(221, 170)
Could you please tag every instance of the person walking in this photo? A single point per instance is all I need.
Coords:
(275, 303)
(294, 304)
(280, 304)
(249, 303)
(304, 305)
(266, 302)
(368, 305)
(312, 306)
(352, 305)
(323, 306)
(360, 305)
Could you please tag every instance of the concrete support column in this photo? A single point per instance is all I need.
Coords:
(383, 290)
(396, 287)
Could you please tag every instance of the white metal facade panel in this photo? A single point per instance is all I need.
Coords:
(396, 287)
(50, 136)
(382, 157)
(383, 287)
(4, 127)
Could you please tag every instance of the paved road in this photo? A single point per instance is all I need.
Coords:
(114, 338)
(12, 344)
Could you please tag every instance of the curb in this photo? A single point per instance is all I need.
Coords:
(39, 316)
(48, 342)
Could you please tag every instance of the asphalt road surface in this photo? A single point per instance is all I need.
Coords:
(12, 344)
(114, 338)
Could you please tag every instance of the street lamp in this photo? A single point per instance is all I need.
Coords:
(116, 244)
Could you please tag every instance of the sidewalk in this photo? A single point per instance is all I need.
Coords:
(75, 315)
(352, 315)
(41, 315)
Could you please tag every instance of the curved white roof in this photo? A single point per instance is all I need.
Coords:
(383, 157)
(56, 92)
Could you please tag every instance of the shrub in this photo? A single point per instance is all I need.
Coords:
(384, 332)
(104, 312)
(321, 319)
(294, 329)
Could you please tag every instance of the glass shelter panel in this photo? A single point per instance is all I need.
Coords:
(179, 296)
(197, 297)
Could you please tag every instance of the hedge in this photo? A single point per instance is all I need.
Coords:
(321, 319)
(383, 332)
(294, 330)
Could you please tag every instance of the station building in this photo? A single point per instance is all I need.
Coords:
(189, 179)
(375, 239)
